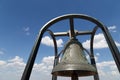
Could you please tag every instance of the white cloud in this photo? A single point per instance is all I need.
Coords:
(27, 30)
(46, 64)
(112, 28)
(13, 69)
(1, 52)
(99, 42)
(16, 59)
(2, 63)
(106, 64)
(118, 44)
(49, 42)
(97, 54)
(108, 69)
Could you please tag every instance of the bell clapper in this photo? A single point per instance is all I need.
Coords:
(74, 76)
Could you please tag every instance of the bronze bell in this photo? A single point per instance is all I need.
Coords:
(73, 61)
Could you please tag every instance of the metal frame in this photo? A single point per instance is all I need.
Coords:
(71, 34)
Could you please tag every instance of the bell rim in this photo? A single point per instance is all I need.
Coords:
(69, 69)
(69, 73)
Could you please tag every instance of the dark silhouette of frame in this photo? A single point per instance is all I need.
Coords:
(113, 48)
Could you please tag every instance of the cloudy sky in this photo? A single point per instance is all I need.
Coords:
(21, 20)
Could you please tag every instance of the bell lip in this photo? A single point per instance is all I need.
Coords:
(69, 69)
(69, 73)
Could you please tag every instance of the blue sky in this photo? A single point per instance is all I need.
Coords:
(21, 20)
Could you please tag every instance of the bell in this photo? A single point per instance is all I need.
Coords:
(73, 62)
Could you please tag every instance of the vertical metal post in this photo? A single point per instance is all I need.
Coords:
(96, 76)
(72, 33)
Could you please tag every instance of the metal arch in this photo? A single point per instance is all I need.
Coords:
(69, 16)
(112, 46)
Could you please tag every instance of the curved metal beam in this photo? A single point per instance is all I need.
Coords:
(69, 16)
(55, 43)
